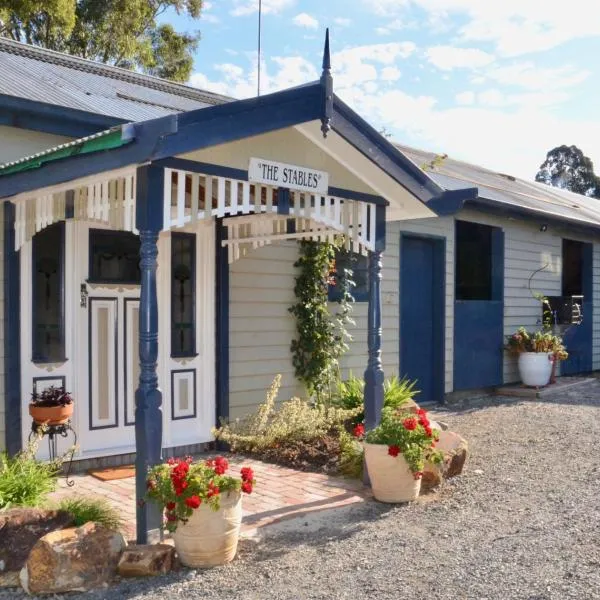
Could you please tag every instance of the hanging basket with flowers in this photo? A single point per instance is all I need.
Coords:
(202, 507)
(396, 451)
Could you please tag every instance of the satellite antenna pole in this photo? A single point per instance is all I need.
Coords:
(259, 39)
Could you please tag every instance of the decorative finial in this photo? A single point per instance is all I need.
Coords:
(327, 84)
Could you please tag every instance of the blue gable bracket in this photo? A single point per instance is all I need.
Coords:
(450, 202)
(51, 118)
(374, 146)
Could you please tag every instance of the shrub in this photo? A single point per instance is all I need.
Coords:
(91, 510)
(293, 420)
(25, 481)
(351, 455)
(349, 394)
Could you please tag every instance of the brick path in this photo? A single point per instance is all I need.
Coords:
(280, 493)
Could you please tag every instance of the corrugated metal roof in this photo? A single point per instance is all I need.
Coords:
(54, 78)
(507, 190)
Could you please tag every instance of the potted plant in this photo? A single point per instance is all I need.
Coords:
(396, 451)
(537, 353)
(52, 406)
(202, 507)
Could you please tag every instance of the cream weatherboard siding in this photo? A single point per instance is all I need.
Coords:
(17, 143)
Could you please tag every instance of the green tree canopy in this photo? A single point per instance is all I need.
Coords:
(124, 33)
(568, 168)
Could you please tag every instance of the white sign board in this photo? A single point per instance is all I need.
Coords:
(288, 176)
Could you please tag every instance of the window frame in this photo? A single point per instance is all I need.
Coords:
(106, 233)
(192, 353)
(490, 296)
(37, 357)
(359, 295)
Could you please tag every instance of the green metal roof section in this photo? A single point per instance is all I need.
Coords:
(104, 140)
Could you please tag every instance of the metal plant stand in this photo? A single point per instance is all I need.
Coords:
(53, 432)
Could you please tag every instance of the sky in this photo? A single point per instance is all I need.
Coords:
(496, 83)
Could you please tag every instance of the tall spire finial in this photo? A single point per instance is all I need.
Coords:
(327, 85)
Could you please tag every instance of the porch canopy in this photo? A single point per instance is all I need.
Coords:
(296, 164)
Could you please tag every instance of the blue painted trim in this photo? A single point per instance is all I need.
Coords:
(91, 366)
(62, 379)
(449, 202)
(360, 196)
(222, 324)
(380, 228)
(192, 166)
(51, 118)
(126, 301)
(439, 309)
(192, 238)
(173, 373)
(35, 356)
(12, 333)
(283, 201)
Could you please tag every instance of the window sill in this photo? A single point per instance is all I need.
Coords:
(184, 356)
(45, 361)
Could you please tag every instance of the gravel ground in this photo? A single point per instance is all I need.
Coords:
(522, 522)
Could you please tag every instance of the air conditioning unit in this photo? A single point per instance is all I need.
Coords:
(564, 311)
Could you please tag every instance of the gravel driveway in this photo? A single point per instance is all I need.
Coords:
(522, 522)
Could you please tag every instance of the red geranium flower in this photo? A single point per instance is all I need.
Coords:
(247, 487)
(221, 465)
(247, 474)
(428, 431)
(213, 490)
(193, 501)
(171, 517)
(418, 475)
(171, 505)
(410, 423)
(393, 450)
(359, 430)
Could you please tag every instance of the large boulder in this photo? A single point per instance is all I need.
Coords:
(73, 560)
(456, 450)
(20, 529)
(146, 561)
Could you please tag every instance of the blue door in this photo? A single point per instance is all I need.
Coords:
(578, 338)
(478, 306)
(422, 285)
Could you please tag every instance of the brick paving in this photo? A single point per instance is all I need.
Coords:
(280, 493)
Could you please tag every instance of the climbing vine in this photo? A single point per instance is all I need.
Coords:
(321, 337)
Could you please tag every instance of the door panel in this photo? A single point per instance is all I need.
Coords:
(131, 344)
(422, 315)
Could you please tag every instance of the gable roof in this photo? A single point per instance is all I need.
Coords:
(506, 193)
(41, 75)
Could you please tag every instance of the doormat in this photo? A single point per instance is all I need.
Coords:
(113, 473)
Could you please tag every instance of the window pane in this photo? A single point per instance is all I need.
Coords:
(572, 271)
(47, 301)
(358, 265)
(114, 256)
(473, 261)
(183, 294)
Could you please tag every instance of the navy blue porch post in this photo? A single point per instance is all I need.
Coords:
(148, 397)
(374, 376)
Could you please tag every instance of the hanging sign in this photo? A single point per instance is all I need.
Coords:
(288, 176)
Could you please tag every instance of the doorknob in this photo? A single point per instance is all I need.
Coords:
(83, 295)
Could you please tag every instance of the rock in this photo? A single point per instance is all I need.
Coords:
(9, 579)
(72, 560)
(146, 561)
(455, 449)
(21, 528)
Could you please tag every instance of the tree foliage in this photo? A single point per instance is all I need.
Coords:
(124, 33)
(568, 168)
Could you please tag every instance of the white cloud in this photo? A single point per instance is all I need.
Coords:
(465, 98)
(382, 31)
(243, 8)
(447, 58)
(342, 21)
(528, 76)
(305, 20)
(390, 74)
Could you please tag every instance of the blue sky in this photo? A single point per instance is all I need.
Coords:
(494, 83)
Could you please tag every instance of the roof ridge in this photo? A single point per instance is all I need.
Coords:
(97, 68)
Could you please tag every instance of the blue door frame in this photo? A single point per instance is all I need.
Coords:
(578, 339)
(422, 313)
(479, 330)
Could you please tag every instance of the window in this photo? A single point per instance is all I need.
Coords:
(473, 261)
(358, 264)
(572, 271)
(114, 257)
(183, 294)
(48, 333)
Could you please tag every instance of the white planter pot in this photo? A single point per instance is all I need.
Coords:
(210, 538)
(391, 478)
(535, 368)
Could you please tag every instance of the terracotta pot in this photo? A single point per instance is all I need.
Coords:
(535, 368)
(51, 415)
(210, 538)
(391, 477)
